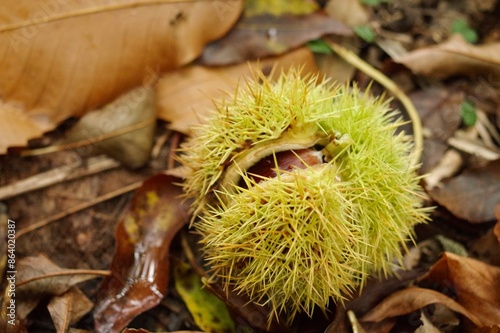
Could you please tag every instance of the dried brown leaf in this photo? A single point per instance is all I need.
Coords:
(411, 299)
(439, 109)
(487, 247)
(267, 35)
(473, 194)
(140, 266)
(351, 13)
(123, 129)
(62, 58)
(186, 95)
(455, 57)
(68, 308)
(38, 277)
(474, 282)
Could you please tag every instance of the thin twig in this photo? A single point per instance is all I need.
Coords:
(473, 148)
(80, 207)
(360, 64)
(67, 172)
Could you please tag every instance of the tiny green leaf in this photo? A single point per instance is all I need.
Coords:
(450, 245)
(366, 33)
(468, 113)
(319, 46)
(373, 3)
(460, 26)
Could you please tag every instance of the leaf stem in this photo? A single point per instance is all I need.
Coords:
(366, 68)
(79, 207)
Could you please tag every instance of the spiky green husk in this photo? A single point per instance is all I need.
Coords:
(308, 236)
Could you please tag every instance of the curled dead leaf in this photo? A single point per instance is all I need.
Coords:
(38, 278)
(455, 57)
(123, 129)
(411, 299)
(475, 284)
(140, 266)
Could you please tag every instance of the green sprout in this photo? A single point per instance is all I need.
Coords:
(319, 46)
(374, 3)
(366, 33)
(460, 26)
(308, 236)
(468, 114)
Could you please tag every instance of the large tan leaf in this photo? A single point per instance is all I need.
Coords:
(455, 57)
(61, 58)
(185, 96)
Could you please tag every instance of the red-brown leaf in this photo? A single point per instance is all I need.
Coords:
(267, 35)
(140, 267)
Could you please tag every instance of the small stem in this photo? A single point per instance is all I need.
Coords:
(63, 173)
(78, 208)
(366, 68)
